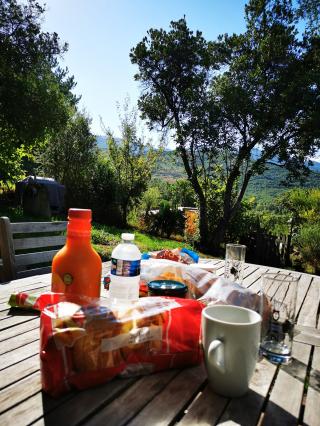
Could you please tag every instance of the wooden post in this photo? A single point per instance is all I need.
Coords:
(7, 250)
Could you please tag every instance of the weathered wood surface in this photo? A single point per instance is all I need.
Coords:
(277, 395)
(38, 242)
(7, 250)
(33, 258)
(35, 227)
(13, 262)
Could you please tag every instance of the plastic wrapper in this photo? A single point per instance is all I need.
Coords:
(183, 255)
(34, 302)
(198, 280)
(203, 285)
(226, 292)
(83, 345)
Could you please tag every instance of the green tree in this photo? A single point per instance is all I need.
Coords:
(182, 193)
(35, 93)
(132, 160)
(70, 156)
(308, 242)
(150, 199)
(265, 94)
(101, 192)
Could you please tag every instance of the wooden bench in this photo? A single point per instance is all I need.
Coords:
(23, 247)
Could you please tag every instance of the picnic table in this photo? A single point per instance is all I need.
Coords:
(278, 395)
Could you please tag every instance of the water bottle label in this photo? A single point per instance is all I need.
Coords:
(125, 268)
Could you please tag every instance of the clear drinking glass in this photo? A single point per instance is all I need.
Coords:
(279, 297)
(234, 263)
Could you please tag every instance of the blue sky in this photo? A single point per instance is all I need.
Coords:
(100, 34)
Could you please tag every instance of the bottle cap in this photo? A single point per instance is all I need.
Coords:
(79, 224)
(127, 237)
(84, 214)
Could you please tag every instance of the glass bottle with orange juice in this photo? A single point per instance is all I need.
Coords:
(76, 268)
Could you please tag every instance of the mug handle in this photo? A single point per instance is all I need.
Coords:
(214, 345)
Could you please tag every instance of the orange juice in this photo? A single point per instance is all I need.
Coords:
(76, 268)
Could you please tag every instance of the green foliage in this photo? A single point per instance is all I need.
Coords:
(100, 235)
(264, 187)
(247, 103)
(101, 192)
(35, 92)
(181, 193)
(303, 205)
(132, 160)
(308, 243)
(150, 199)
(166, 221)
(70, 156)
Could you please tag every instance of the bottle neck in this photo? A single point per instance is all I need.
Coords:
(74, 240)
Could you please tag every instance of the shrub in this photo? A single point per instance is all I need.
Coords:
(191, 228)
(166, 222)
(308, 242)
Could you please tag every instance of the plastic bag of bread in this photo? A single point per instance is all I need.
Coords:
(227, 292)
(197, 279)
(83, 346)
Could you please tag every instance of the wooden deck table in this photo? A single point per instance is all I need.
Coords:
(278, 395)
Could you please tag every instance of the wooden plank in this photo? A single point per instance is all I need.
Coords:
(32, 258)
(20, 329)
(84, 405)
(5, 312)
(36, 271)
(312, 413)
(20, 282)
(18, 371)
(303, 286)
(256, 286)
(17, 392)
(169, 403)
(205, 410)
(24, 285)
(38, 242)
(308, 335)
(8, 271)
(253, 401)
(253, 277)
(286, 396)
(13, 321)
(34, 227)
(20, 340)
(31, 409)
(248, 273)
(18, 355)
(308, 312)
(134, 399)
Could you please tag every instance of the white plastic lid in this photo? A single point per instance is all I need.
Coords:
(127, 237)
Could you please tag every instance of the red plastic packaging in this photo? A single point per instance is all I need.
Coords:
(83, 346)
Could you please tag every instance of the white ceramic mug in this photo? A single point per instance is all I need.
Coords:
(230, 338)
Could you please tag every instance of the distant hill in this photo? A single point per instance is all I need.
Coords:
(102, 141)
(263, 187)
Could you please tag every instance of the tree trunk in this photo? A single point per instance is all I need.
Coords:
(203, 223)
(218, 237)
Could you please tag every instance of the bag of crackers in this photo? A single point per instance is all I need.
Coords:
(86, 344)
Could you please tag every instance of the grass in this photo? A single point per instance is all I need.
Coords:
(105, 238)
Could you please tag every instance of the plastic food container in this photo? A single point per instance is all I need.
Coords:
(167, 288)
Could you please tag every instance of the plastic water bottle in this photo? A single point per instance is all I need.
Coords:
(125, 270)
